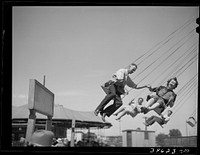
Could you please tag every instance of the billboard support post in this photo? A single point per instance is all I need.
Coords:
(40, 100)
(31, 124)
(49, 123)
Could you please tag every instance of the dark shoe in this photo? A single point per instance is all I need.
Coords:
(96, 112)
(148, 97)
(103, 117)
(144, 110)
(101, 113)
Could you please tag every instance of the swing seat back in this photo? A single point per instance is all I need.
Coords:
(105, 89)
(159, 110)
(106, 86)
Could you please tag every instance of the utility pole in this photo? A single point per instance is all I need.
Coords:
(145, 118)
(120, 127)
(146, 136)
(44, 80)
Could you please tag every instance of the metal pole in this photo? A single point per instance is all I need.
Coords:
(120, 127)
(44, 80)
(186, 128)
(72, 132)
(145, 121)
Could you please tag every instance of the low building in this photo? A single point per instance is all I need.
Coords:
(138, 138)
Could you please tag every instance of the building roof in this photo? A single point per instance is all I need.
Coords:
(84, 119)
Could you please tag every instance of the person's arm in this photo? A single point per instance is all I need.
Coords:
(153, 89)
(131, 84)
(171, 100)
(141, 87)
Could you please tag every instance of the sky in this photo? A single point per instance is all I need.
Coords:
(79, 48)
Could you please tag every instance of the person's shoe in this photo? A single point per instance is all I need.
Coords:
(96, 112)
(146, 110)
(101, 113)
(103, 117)
(142, 109)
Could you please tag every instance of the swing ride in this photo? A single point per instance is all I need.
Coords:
(187, 57)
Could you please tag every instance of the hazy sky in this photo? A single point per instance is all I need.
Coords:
(79, 48)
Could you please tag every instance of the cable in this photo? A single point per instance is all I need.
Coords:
(162, 61)
(188, 94)
(184, 88)
(181, 27)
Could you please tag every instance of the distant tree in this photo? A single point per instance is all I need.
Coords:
(160, 139)
(175, 133)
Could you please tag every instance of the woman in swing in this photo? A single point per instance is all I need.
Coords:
(164, 97)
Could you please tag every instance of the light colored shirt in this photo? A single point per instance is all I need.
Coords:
(166, 118)
(121, 77)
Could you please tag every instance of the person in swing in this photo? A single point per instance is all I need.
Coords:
(163, 98)
(116, 88)
(160, 119)
(132, 109)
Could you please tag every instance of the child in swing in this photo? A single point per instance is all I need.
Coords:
(164, 97)
(132, 109)
(160, 119)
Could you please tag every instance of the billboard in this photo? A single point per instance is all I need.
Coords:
(40, 98)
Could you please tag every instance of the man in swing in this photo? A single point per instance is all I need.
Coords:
(164, 97)
(115, 90)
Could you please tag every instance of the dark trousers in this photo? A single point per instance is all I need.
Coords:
(112, 94)
(154, 119)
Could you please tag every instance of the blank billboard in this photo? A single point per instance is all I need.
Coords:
(40, 98)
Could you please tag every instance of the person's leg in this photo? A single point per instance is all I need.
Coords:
(154, 106)
(149, 121)
(113, 107)
(150, 102)
(107, 99)
(119, 111)
(121, 115)
(126, 111)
